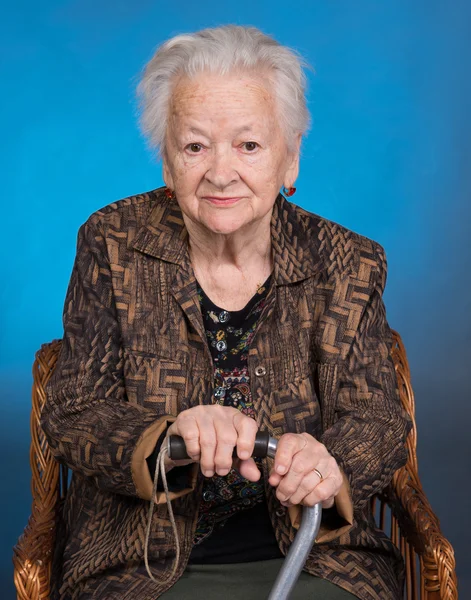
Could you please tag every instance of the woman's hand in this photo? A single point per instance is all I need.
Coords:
(294, 476)
(211, 432)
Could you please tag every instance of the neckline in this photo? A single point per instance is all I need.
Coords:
(241, 310)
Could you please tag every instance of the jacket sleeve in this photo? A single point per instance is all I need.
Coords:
(88, 421)
(369, 434)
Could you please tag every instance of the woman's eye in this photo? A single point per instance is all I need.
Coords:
(194, 148)
(250, 146)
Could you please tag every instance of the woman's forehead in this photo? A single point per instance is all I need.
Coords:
(214, 86)
(244, 100)
(222, 123)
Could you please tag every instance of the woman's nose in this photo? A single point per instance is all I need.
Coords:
(221, 170)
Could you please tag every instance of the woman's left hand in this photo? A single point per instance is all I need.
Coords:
(294, 476)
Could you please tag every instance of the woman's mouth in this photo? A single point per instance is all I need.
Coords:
(221, 200)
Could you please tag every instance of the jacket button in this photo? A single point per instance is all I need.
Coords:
(280, 512)
(208, 496)
(260, 371)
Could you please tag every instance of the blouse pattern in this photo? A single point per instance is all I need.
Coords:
(229, 334)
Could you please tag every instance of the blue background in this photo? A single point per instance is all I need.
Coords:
(389, 156)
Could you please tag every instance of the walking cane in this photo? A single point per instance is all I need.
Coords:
(306, 534)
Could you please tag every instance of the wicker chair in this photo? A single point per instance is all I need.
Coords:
(402, 510)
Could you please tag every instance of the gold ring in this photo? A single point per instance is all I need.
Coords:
(317, 472)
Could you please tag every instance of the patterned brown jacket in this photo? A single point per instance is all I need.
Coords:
(134, 354)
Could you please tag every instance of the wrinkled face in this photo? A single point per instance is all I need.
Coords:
(225, 155)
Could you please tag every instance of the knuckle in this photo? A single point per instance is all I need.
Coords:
(252, 423)
(289, 489)
(332, 463)
(184, 417)
(226, 438)
(282, 495)
(298, 467)
(321, 450)
(244, 442)
(324, 495)
(243, 422)
(305, 488)
(290, 439)
(207, 443)
(223, 455)
(191, 442)
(225, 446)
(249, 426)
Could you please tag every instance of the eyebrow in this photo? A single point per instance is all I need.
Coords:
(240, 130)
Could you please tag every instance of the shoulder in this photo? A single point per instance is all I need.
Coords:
(343, 251)
(126, 213)
(116, 225)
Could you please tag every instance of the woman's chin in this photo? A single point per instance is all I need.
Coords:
(224, 224)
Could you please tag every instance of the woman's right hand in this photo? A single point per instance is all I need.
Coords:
(210, 433)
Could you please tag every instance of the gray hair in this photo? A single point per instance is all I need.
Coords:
(222, 50)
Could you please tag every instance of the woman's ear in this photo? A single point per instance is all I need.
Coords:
(293, 164)
(167, 176)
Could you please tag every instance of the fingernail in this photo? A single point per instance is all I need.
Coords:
(244, 454)
(280, 469)
(208, 473)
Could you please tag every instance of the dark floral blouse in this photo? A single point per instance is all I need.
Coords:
(229, 335)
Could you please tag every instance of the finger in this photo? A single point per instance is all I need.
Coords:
(301, 466)
(325, 468)
(187, 427)
(329, 485)
(208, 443)
(226, 439)
(288, 445)
(328, 503)
(246, 429)
(248, 469)
(324, 493)
(274, 479)
(306, 486)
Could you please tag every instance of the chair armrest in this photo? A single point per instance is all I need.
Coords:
(32, 560)
(32, 555)
(418, 523)
(421, 528)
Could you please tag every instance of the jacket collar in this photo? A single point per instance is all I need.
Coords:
(296, 238)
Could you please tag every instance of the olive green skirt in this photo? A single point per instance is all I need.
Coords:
(247, 581)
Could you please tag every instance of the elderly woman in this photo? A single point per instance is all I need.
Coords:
(211, 308)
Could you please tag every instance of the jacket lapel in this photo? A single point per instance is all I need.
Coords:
(297, 243)
(296, 251)
(164, 236)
